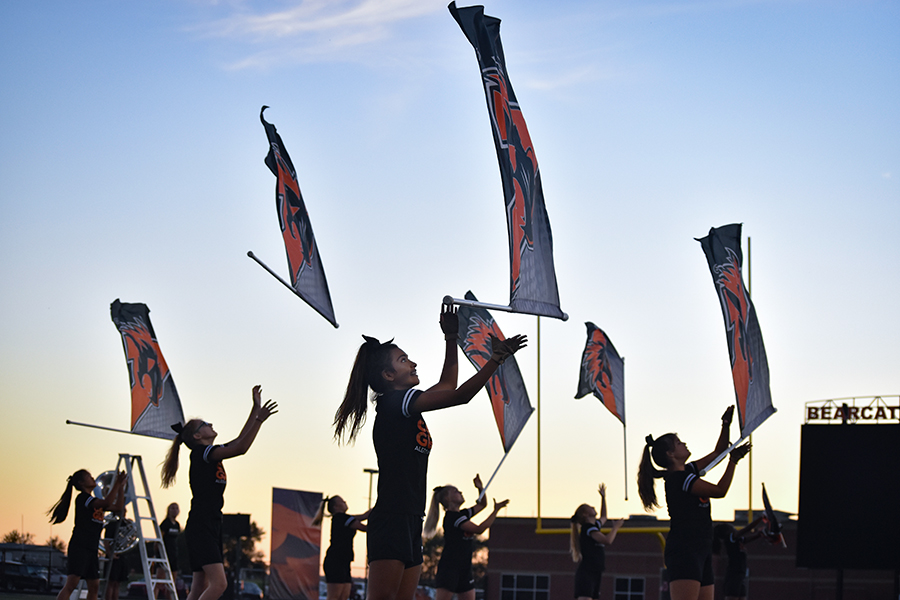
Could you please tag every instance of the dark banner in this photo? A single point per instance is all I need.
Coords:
(304, 263)
(155, 405)
(506, 388)
(294, 567)
(749, 366)
(533, 287)
(602, 372)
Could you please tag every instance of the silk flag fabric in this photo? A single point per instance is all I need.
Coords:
(602, 372)
(155, 405)
(749, 366)
(506, 388)
(304, 263)
(533, 288)
(294, 566)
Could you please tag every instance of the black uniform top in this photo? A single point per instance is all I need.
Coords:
(402, 443)
(593, 553)
(457, 543)
(342, 534)
(207, 485)
(737, 558)
(170, 530)
(689, 514)
(88, 524)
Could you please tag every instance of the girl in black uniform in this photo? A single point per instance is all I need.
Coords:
(726, 536)
(204, 525)
(402, 444)
(83, 561)
(454, 573)
(688, 552)
(340, 552)
(586, 544)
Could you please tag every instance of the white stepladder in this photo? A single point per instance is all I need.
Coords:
(150, 540)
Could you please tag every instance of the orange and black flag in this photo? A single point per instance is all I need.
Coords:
(602, 372)
(155, 405)
(296, 540)
(533, 288)
(746, 352)
(304, 262)
(506, 388)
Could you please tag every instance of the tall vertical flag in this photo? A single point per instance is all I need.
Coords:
(533, 287)
(296, 543)
(304, 262)
(506, 388)
(602, 372)
(749, 366)
(155, 405)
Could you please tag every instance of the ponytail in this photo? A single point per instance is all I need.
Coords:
(372, 359)
(320, 514)
(438, 497)
(185, 435)
(59, 511)
(574, 541)
(657, 450)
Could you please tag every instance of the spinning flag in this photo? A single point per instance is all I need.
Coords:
(533, 287)
(506, 388)
(749, 366)
(304, 263)
(602, 372)
(295, 545)
(155, 405)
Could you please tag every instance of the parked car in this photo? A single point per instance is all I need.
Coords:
(16, 576)
(56, 579)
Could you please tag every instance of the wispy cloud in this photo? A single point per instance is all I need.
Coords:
(314, 30)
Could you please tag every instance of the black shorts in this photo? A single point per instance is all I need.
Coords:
(690, 559)
(118, 570)
(204, 542)
(587, 582)
(455, 578)
(83, 562)
(391, 536)
(337, 570)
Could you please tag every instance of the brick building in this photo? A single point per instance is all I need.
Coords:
(524, 565)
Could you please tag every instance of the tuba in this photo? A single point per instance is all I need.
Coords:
(127, 535)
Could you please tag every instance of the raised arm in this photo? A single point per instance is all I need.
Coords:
(608, 538)
(482, 499)
(602, 491)
(115, 499)
(450, 372)
(244, 440)
(722, 443)
(435, 399)
(470, 527)
(718, 490)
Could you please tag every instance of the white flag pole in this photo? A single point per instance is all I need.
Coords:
(480, 496)
(286, 284)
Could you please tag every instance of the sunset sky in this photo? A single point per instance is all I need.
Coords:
(132, 168)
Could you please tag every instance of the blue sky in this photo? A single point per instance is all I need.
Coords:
(132, 168)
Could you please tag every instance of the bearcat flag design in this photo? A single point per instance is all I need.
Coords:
(155, 405)
(749, 366)
(295, 545)
(533, 287)
(506, 388)
(602, 372)
(304, 263)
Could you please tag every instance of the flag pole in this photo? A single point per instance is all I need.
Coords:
(287, 285)
(484, 491)
(750, 457)
(68, 422)
(625, 454)
(450, 300)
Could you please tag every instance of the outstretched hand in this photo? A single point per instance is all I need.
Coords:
(478, 484)
(257, 396)
(617, 524)
(740, 452)
(602, 490)
(267, 410)
(449, 320)
(503, 349)
(499, 505)
(727, 416)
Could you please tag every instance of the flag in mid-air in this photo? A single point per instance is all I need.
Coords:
(533, 288)
(602, 372)
(155, 405)
(749, 366)
(304, 263)
(506, 388)
(296, 543)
